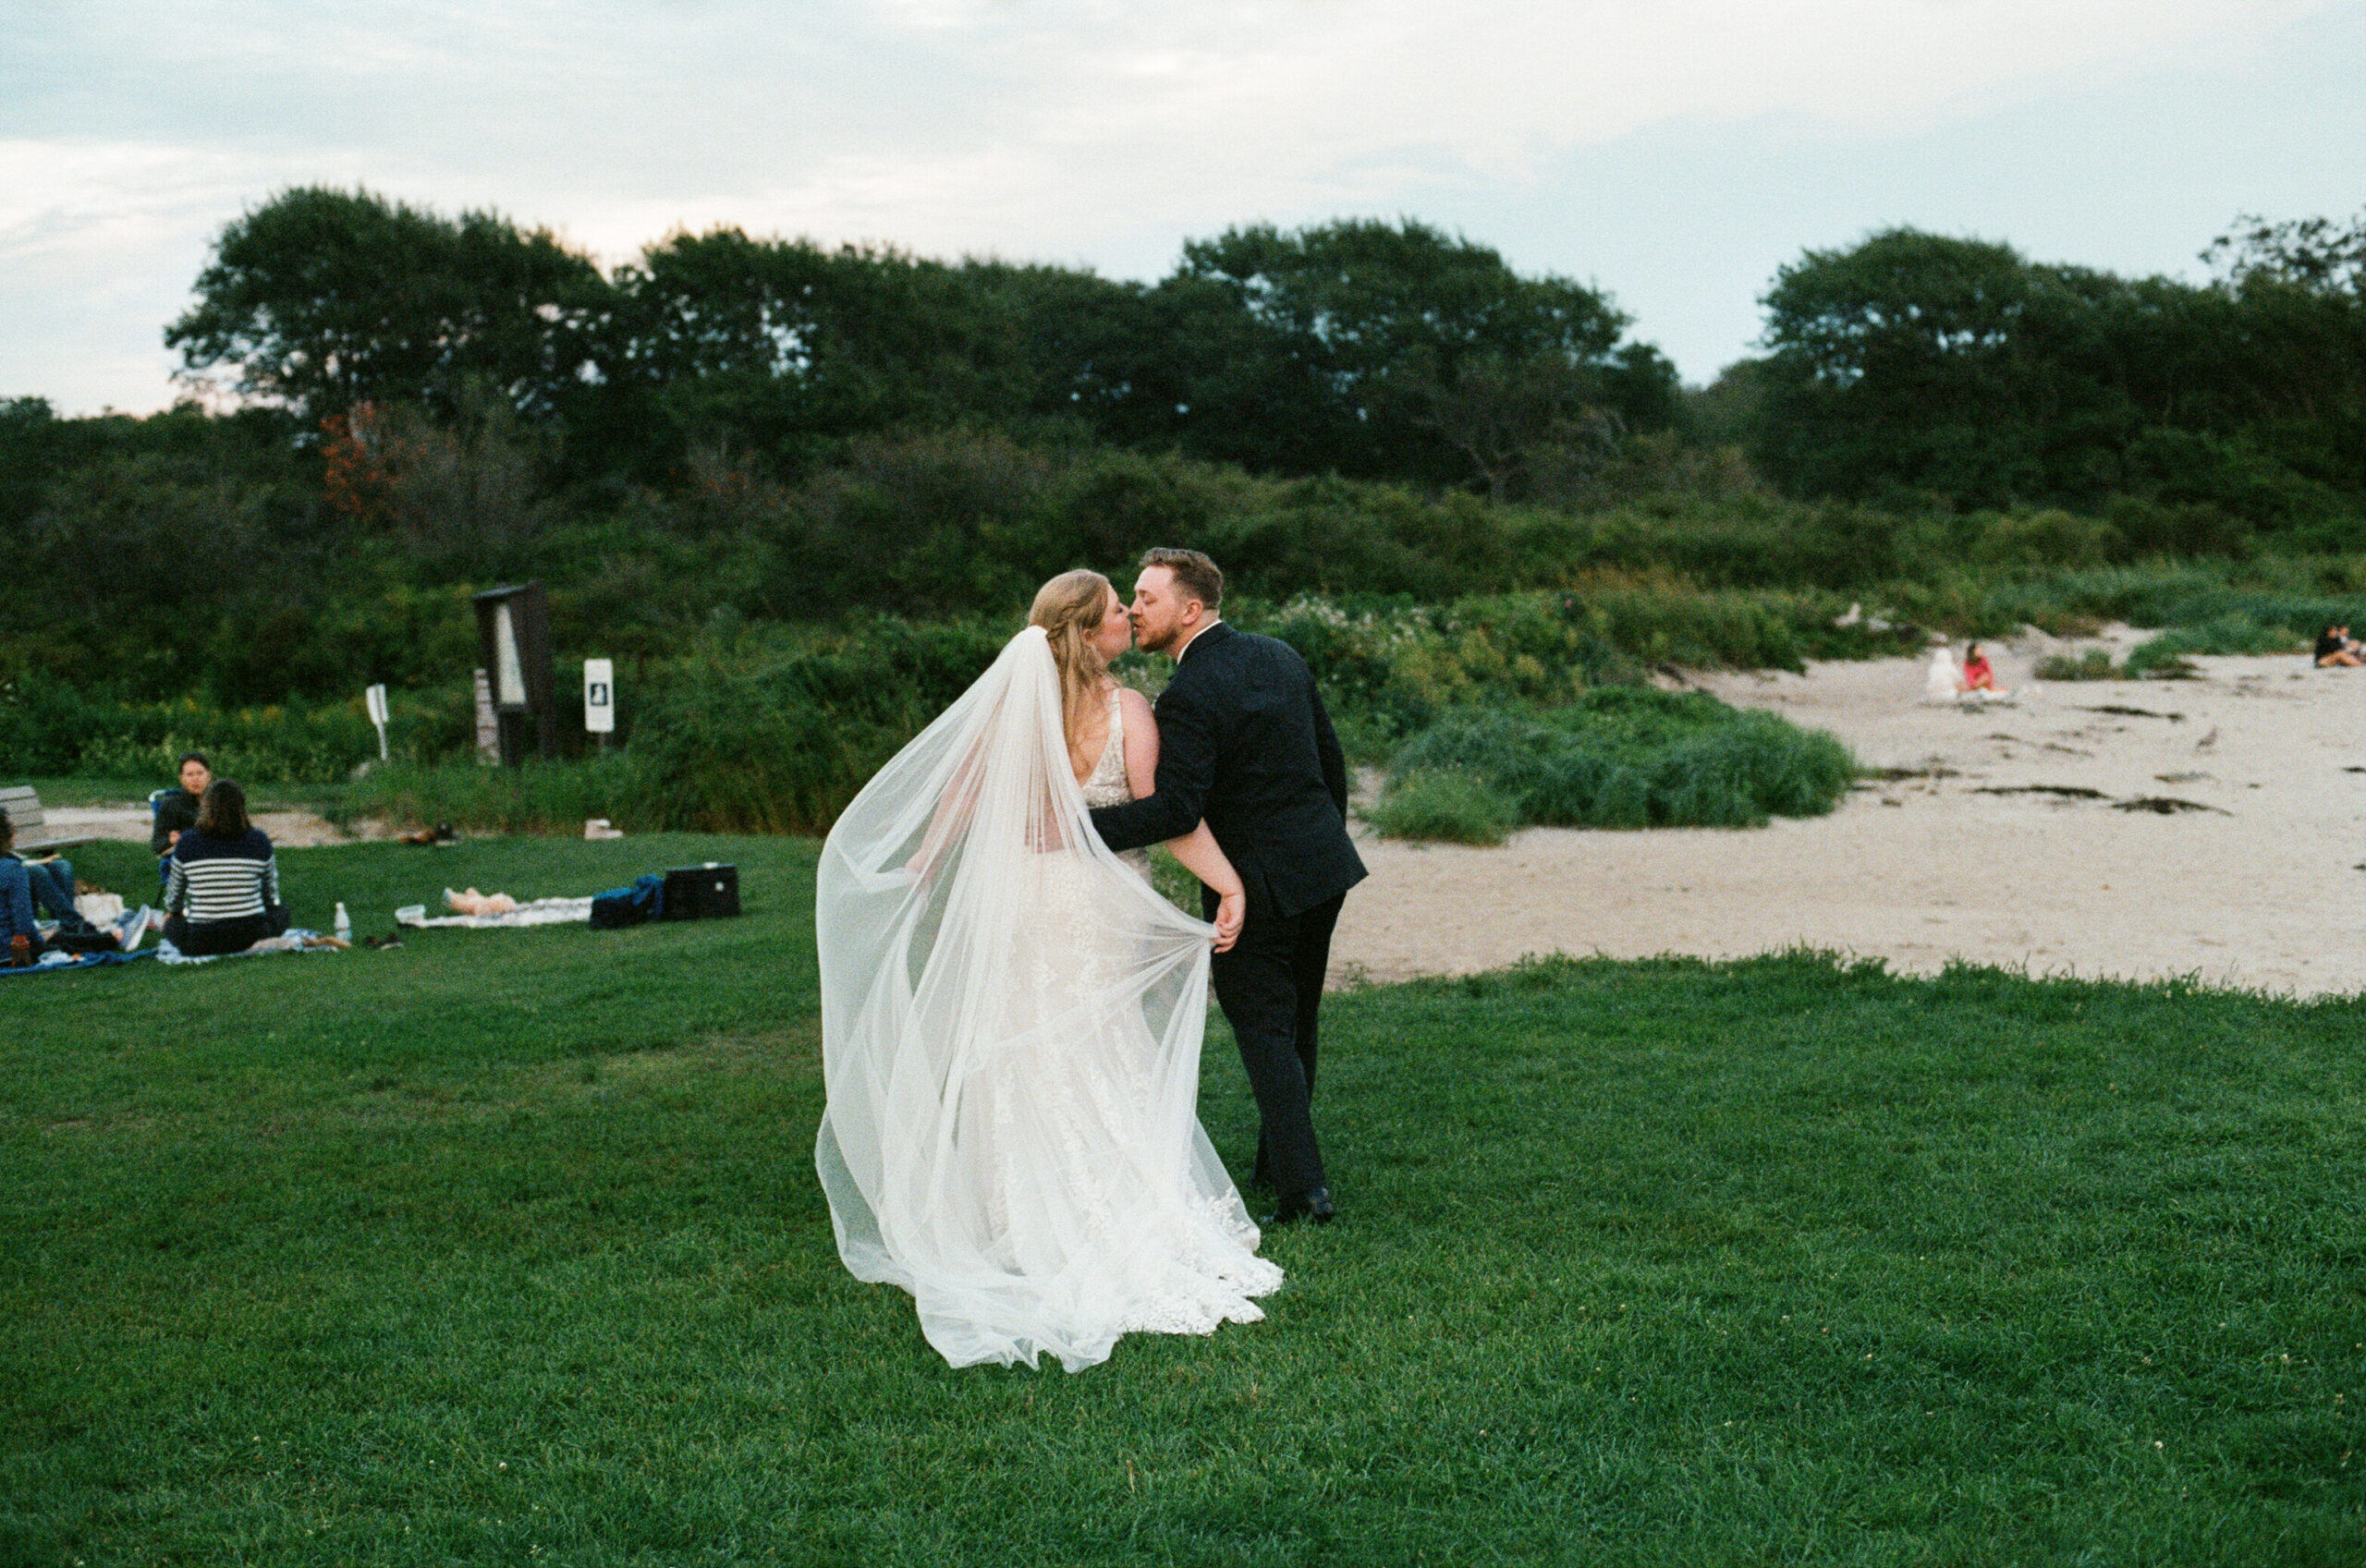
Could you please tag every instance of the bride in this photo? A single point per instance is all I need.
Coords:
(1011, 1020)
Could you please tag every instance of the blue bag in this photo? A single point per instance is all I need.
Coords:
(622, 906)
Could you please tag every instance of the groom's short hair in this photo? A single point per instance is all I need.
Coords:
(1196, 576)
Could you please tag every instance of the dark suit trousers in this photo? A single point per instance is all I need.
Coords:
(1270, 986)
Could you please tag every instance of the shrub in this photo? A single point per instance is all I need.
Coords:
(2045, 538)
(1445, 805)
(754, 730)
(1392, 667)
(1759, 766)
(2094, 664)
(776, 734)
(48, 728)
(1628, 759)
(2228, 634)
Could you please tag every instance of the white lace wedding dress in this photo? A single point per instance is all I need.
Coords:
(1011, 1022)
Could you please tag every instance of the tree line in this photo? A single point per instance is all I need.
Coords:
(1964, 371)
(1369, 349)
(778, 430)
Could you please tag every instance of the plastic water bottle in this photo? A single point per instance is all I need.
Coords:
(344, 924)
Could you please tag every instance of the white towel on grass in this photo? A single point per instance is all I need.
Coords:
(542, 912)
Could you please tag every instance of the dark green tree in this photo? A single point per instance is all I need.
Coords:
(1925, 365)
(322, 299)
(1392, 350)
(2300, 289)
(789, 350)
(1902, 362)
(2317, 255)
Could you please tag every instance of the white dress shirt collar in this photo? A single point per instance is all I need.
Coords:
(1195, 637)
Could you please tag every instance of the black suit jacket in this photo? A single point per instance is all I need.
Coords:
(1245, 743)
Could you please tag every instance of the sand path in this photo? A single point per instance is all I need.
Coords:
(2260, 892)
(287, 829)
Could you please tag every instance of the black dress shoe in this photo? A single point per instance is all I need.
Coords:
(1314, 1204)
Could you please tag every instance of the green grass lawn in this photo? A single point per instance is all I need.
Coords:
(506, 1248)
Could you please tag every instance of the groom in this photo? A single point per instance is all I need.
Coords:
(1244, 743)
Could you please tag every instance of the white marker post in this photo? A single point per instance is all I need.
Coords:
(375, 699)
(488, 725)
(600, 699)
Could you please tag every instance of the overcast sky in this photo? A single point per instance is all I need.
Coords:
(1673, 151)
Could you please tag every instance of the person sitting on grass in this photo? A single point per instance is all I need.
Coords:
(1977, 674)
(172, 812)
(2336, 651)
(221, 885)
(176, 811)
(32, 888)
(19, 935)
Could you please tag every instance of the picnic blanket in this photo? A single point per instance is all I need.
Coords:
(540, 912)
(52, 962)
(294, 940)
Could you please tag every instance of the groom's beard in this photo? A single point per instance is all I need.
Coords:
(1149, 641)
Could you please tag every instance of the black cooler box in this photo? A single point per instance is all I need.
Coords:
(701, 893)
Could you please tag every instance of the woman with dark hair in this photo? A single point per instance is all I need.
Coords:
(173, 811)
(220, 885)
(1978, 673)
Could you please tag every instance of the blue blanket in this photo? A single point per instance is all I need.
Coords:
(288, 940)
(84, 961)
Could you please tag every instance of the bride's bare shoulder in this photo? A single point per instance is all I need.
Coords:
(1135, 707)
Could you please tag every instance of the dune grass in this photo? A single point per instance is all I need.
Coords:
(2094, 664)
(2226, 634)
(1617, 757)
(504, 1247)
(1444, 806)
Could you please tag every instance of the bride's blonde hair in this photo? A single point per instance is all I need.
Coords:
(1069, 609)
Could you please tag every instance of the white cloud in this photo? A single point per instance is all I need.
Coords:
(1270, 105)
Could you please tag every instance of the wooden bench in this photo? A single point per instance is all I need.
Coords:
(22, 803)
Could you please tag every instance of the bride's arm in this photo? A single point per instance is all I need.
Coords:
(1198, 850)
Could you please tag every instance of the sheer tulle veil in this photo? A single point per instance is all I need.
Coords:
(1011, 1021)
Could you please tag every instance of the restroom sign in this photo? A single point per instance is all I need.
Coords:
(599, 696)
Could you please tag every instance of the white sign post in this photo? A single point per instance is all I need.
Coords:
(600, 699)
(375, 698)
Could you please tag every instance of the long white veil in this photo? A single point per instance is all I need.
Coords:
(1011, 1022)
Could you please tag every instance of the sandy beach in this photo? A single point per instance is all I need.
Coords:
(1972, 856)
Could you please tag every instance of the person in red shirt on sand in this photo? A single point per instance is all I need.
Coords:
(1977, 676)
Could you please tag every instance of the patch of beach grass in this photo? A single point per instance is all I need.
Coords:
(2167, 653)
(1615, 758)
(1444, 805)
(2094, 664)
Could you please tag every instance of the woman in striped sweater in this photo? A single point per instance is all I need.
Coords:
(221, 885)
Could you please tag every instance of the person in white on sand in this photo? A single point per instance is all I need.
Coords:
(1011, 1022)
(1940, 682)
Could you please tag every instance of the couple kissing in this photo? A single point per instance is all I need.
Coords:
(1012, 1017)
